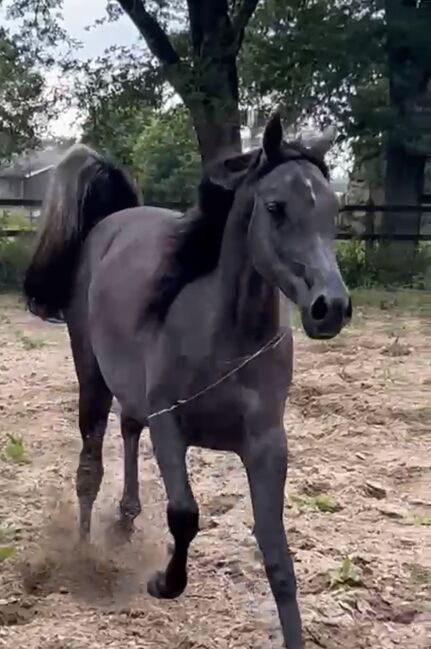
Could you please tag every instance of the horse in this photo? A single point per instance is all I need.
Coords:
(177, 317)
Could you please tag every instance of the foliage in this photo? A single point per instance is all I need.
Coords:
(6, 552)
(196, 47)
(346, 575)
(30, 343)
(166, 163)
(14, 219)
(15, 451)
(324, 503)
(379, 265)
(116, 93)
(22, 104)
(292, 55)
(14, 258)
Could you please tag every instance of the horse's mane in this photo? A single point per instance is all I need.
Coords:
(195, 245)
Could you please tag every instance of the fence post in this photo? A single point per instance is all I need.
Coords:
(370, 217)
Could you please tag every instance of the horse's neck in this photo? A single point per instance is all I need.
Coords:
(247, 304)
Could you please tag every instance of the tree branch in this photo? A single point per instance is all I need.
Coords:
(196, 27)
(242, 18)
(155, 36)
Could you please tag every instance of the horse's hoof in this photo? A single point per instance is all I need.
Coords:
(157, 587)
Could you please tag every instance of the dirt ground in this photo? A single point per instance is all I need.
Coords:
(359, 427)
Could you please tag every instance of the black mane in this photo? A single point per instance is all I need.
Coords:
(195, 246)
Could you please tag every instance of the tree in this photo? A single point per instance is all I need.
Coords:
(409, 71)
(196, 44)
(203, 69)
(118, 93)
(166, 162)
(22, 104)
(316, 58)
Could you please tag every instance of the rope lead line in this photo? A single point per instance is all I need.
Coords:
(272, 344)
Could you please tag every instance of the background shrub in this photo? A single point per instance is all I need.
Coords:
(14, 258)
(394, 265)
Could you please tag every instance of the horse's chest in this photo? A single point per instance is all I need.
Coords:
(218, 418)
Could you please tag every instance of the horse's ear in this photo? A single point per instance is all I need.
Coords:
(228, 173)
(320, 146)
(273, 137)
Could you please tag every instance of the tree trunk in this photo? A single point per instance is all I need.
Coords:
(403, 186)
(215, 113)
(404, 166)
(208, 84)
(218, 133)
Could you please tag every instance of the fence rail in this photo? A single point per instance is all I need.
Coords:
(342, 235)
(20, 202)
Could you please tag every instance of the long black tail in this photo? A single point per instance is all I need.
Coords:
(84, 188)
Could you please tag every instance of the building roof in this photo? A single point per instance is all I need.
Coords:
(34, 162)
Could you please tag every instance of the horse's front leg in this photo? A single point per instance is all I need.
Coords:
(265, 460)
(183, 514)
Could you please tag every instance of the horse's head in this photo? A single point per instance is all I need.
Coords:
(292, 226)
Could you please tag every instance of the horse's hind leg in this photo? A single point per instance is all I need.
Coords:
(94, 404)
(130, 505)
(183, 513)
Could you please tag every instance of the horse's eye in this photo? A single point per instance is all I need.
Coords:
(276, 208)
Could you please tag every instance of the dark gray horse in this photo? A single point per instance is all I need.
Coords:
(178, 317)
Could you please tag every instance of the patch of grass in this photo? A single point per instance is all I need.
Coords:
(324, 503)
(347, 575)
(14, 450)
(294, 499)
(15, 255)
(6, 552)
(320, 502)
(421, 519)
(401, 300)
(420, 574)
(30, 343)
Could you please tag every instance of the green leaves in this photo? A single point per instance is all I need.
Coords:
(6, 552)
(118, 93)
(347, 575)
(21, 99)
(14, 450)
(311, 57)
(166, 161)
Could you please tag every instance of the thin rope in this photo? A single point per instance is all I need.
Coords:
(271, 344)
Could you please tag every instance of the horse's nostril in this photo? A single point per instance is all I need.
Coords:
(319, 308)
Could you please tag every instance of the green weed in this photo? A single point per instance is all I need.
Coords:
(420, 574)
(15, 451)
(320, 502)
(30, 343)
(324, 503)
(6, 552)
(347, 575)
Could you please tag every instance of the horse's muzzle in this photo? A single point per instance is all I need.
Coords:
(325, 317)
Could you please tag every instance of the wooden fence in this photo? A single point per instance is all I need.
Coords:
(369, 233)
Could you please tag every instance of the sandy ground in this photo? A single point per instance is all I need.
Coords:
(359, 424)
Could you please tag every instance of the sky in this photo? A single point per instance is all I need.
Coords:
(80, 13)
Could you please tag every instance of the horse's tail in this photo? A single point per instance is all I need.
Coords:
(84, 188)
